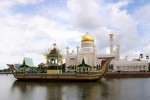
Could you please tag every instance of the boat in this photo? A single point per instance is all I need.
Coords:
(89, 69)
(93, 75)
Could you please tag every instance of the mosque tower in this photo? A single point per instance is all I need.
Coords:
(115, 52)
(67, 53)
(111, 43)
(118, 53)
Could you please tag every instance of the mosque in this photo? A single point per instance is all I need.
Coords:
(88, 52)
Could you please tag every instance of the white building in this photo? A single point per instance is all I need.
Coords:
(87, 51)
(123, 64)
(130, 66)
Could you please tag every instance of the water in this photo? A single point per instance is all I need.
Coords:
(107, 89)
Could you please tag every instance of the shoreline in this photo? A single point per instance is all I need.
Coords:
(5, 73)
(127, 75)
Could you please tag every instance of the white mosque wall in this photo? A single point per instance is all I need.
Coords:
(88, 58)
(87, 44)
(130, 66)
(71, 59)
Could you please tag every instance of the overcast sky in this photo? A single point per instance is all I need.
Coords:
(29, 27)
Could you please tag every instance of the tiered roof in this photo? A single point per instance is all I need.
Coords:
(54, 53)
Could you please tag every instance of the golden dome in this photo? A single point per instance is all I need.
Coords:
(111, 34)
(87, 37)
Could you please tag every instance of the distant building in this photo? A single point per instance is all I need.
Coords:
(123, 64)
(130, 66)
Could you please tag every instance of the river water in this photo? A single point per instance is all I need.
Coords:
(107, 89)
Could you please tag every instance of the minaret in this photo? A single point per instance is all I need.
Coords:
(111, 43)
(77, 55)
(67, 53)
(94, 56)
(118, 53)
(126, 58)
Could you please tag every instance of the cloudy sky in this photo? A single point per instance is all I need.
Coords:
(29, 27)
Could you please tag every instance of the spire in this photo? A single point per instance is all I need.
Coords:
(54, 44)
(83, 62)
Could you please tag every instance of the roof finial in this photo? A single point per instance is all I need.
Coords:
(111, 34)
(54, 44)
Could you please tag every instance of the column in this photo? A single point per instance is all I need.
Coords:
(77, 55)
(118, 52)
(94, 56)
(67, 53)
(111, 43)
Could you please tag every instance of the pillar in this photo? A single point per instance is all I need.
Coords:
(111, 43)
(94, 56)
(67, 53)
(77, 62)
(118, 52)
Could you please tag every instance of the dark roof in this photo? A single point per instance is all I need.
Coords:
(83, 64)
(55, 53)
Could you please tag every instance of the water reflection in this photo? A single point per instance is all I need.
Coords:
(61, 91)
(108, 89)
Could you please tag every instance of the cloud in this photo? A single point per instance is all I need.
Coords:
(84, 13)
(31, 37)
(31, 34)
(142, 18)
(142, 14)
(27, 35)
(10, 3)
(100, 18)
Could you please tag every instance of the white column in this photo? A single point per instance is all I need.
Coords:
(118, 53)
(94, 56)
(126, 58)
(67, 53)
(111, 43)
(77, 62)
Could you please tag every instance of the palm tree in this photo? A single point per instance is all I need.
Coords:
(141, 56)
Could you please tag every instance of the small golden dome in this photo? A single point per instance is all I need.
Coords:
(87, 37)
(111, 34)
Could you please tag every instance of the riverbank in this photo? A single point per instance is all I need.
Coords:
(127, 75)
(5, 72)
